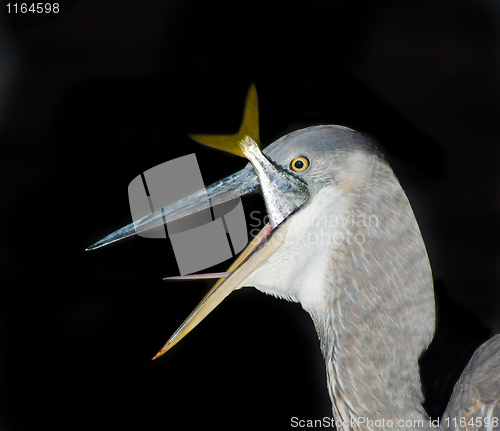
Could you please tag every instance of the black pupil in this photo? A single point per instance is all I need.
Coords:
(299, 164)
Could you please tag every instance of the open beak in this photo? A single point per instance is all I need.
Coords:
(283, 194)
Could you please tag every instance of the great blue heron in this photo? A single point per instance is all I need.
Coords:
(343, 241)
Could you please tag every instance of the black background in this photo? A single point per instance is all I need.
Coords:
(109, 89)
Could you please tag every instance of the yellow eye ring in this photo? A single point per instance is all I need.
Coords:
(299, 164)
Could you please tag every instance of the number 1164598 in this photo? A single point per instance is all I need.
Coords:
(33, 7)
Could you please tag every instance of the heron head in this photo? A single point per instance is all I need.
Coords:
(292, 174)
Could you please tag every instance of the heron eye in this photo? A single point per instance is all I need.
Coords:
(299, 164)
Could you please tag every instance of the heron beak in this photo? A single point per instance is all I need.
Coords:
(239, 184)
(258, 250)
(283, 194)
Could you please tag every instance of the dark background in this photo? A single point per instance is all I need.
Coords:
(94, 97)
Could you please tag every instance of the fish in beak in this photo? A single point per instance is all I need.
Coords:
(283, 194)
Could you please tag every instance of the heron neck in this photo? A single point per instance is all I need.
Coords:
(369, 387)
(378, 317)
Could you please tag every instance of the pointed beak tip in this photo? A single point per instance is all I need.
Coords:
(160, 353)
(95, 246)
(90, 247)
